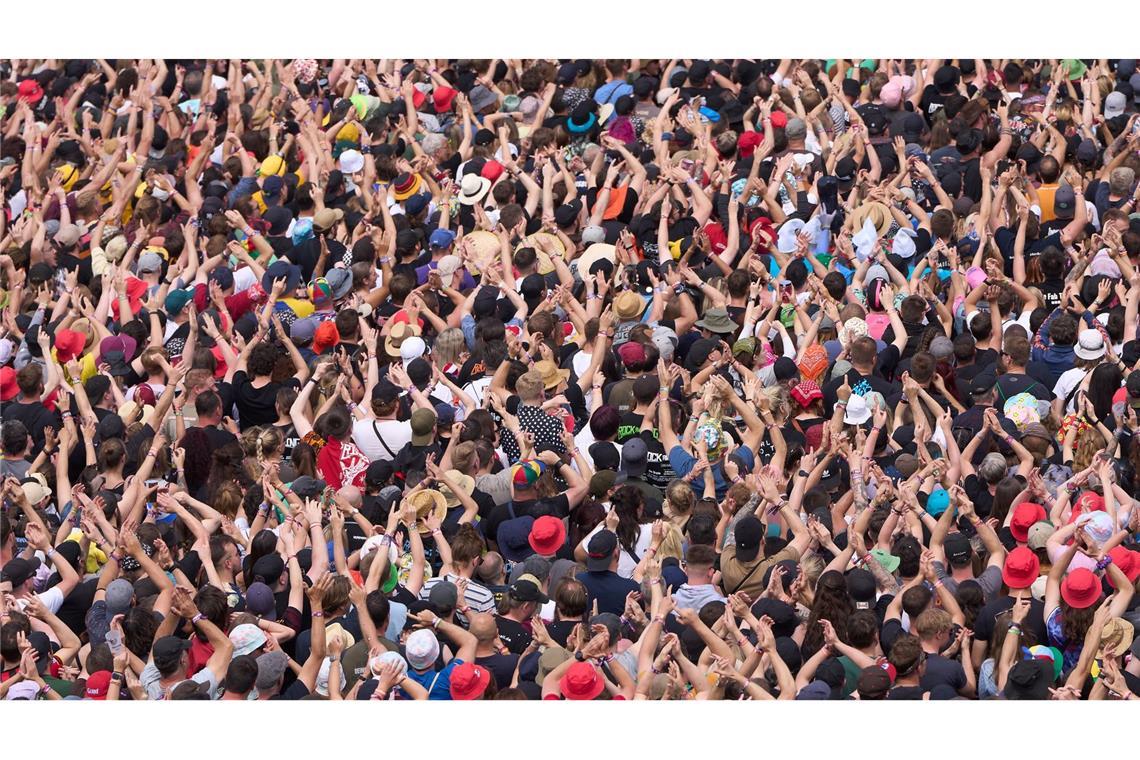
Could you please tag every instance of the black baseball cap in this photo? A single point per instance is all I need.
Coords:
(749, 534)
(169, 648)
(19, 570)
(528, 591)
(861, 587)
(958, 549)
(600, 550)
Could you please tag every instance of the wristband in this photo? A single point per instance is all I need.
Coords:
(194, 620)
(1100, 565)
(318, 613)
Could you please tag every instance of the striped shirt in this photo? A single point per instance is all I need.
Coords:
(479, 598)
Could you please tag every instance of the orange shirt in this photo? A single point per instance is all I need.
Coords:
(1045, 195)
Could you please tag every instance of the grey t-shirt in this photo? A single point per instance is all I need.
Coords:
(989, 580)
(15, 468)
(151, 679)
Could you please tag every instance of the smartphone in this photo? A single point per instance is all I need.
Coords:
(687, 165)
(115, 642)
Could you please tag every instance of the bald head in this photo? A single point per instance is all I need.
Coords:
(482, 626)
(352, 495)
(490, 567)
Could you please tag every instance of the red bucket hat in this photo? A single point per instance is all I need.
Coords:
(581, 682)
(1023, 518)
(469, 681)
(8, 387)
(442, 98)
(547, 535)
(1128, 562)
(1021, 568)
(69, 344)
(1080, 589)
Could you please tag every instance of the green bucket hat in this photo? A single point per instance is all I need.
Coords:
(889, 561)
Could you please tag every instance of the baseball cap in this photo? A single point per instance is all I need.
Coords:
(958, 549)
(861, 587)
(528, 589)
(441, 238)
(749, 533)
(270, 667)
(18, 571)
(600, 550)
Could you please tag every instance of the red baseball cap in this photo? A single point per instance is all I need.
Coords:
(469, 681)
(1021, 568)
(1081, 588)
(718, 240)
(492, 170)
(1024, 516)
(779, 119)
(98, 684)
(547, 535)
(30, 90)
(1128, 561)
(8, 387)
(581, 682)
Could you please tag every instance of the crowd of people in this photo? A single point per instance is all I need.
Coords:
(576, 379)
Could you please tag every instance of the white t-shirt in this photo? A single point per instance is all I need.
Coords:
(367, 434)
(626, 563)
(52, 599)
(1070, 379)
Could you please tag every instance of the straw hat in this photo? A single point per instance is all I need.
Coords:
(628, 305)
(465, 482)
(427, 502)
(1115, 638)
(551, 374)
(879, 214)
(594, 253)
(400, 332)
(483, 246)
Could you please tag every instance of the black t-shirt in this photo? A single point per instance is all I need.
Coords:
(560, 630)
(256, 406)
(608, 589)
(35, 417)
(502, 667)
(295, 690)
(906, 692)
(307, 253)
(986, 621)
(889, 634)
(559, 505)
(979, 493)
(941, 671)
(1011, 385)
(513, 634)
(859, 384)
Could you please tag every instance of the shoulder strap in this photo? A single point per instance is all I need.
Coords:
(1073, 392)
(746, 577)
(376, 429)
(437, 674)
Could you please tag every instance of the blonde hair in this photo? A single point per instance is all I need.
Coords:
(449, 344)
(259, 443)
